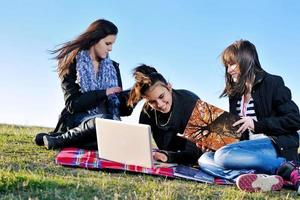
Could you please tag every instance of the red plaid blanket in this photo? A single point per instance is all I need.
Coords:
(89, 159)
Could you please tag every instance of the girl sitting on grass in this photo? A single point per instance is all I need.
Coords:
(269, 123)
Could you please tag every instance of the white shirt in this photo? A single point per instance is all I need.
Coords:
(247, 110)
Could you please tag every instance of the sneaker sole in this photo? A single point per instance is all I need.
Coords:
(45, 142)
(259, 182)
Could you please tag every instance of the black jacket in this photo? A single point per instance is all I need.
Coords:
(179, 150)
(277, 115)
(78, 102)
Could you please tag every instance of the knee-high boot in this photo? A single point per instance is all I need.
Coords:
(39, 137)
(78, 136)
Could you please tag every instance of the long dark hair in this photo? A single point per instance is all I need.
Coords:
(244, 54)
(145, 76)
(96, 31)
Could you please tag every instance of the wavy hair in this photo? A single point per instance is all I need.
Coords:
(95, 32)
(145, 77)
(244, 54)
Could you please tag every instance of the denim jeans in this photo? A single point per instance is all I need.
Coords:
(242, 157)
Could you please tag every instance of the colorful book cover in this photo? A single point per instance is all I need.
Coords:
(211, 127)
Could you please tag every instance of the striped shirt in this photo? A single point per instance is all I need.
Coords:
(247, 110)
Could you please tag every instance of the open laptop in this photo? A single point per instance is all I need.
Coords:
(124, 142)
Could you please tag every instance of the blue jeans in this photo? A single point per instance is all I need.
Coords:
(242, 157)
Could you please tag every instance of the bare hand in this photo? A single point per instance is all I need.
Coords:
(160, 156)
(246, 123)
(113, 90)
(203, 148)
(205, 133)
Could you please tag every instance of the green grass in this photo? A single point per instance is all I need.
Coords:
(29, 172)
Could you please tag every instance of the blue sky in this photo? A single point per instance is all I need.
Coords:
(182, 39)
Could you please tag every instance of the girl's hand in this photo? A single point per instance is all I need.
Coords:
(160, 156)
(113, 90)
(204, 148)
(246, 123)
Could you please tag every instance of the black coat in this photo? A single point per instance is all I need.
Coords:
(179, 149)
(78, 102)
(277, 115)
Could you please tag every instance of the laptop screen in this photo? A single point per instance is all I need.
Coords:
(124, 142)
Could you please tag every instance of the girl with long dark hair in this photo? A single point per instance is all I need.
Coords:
(91, 83)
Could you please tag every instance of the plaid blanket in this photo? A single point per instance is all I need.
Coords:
(89, 159)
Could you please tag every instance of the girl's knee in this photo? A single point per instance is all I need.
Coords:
(224, 155)
(223, 151)
(207, 157)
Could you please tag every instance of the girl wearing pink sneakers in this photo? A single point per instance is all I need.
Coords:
(269, 123)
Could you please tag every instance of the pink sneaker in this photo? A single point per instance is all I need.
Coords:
(259, 182)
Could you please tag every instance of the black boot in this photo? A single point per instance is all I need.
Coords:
(53, 142)
(81, 135)
(39, 137)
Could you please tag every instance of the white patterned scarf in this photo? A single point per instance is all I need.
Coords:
(106, 77)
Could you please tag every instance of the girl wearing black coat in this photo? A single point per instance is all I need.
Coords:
(92, 87)
(269, 123)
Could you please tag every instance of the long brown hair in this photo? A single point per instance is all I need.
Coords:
(95, 32)
(145, 76)
(244, 54)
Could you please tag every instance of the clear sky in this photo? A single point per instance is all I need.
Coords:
(182, 39)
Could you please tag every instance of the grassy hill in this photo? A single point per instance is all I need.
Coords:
(29, 172)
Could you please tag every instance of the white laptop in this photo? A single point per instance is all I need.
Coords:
(124, 142)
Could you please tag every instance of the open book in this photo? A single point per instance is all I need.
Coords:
(211, 127)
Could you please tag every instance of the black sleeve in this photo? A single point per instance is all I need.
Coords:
(123, 96)
(145, 119)
(116, 65)
(287, 117)
(125, 110)
(189, 155)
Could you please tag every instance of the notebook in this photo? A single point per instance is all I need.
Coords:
(211, 127)
(124, 142)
